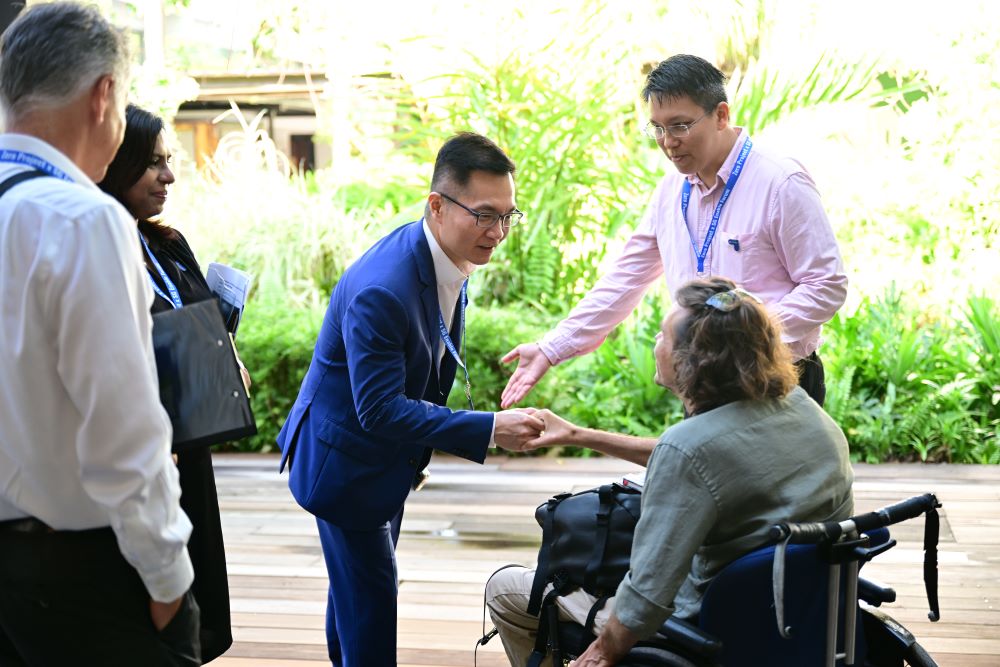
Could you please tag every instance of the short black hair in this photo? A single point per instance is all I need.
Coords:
(465, 153)
(685, 75)
(134, 156)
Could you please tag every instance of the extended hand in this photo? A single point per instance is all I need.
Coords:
(514, 429)
(557, 431)
(244, 373)
(532, 364)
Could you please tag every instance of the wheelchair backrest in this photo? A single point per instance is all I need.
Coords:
(738, 608)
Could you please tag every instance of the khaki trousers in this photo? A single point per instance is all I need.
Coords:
(507, 594)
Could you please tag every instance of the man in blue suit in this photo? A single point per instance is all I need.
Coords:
(371, 407)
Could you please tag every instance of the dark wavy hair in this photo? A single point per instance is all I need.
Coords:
(720, 357)
(132, 159)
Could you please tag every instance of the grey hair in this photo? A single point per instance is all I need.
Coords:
(53, 52)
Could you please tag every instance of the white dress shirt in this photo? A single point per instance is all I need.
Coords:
(449, 283)
(84, 442)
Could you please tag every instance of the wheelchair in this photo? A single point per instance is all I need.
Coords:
(797, 603)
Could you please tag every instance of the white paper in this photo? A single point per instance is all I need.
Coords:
(232, 286)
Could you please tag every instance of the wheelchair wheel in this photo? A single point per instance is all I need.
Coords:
(890, 644)
(916, 656)
(642, 656)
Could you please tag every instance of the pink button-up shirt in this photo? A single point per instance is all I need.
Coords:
(773, 239)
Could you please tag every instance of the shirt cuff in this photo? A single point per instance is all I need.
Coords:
(637, 613)
(171, 581)
(551, 351)
(493, 432)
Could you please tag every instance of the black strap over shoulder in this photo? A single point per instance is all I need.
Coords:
(592, 614)
(547, 639)
(542, 568)
(20, 177)
(602, 518)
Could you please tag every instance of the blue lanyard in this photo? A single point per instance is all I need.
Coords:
(446, 337)
(686, 198)
(175, 296)
(32, 160)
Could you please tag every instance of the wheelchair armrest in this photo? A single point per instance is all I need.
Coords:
(875, 592)
(690, 637)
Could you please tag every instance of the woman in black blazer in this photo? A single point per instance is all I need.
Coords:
(139, 178)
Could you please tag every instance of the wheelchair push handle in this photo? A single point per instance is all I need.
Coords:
(807, 533)
(830, 531)
(907, 509)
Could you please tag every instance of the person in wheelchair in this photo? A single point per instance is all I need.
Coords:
(753, 451)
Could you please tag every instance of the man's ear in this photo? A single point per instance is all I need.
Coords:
(102, 96)
(434, 204)
(722, 115)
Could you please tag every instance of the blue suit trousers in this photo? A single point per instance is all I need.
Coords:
(361, 602)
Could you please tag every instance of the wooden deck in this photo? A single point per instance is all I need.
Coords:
(471, 519)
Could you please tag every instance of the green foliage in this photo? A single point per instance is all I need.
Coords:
(906, 177)
(573, 134)
(903, 386)
(490, 332)
(611, 389)
(295, 243)
(275, 344)
(764, 93)
(983, 315)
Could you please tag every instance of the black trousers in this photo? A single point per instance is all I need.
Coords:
(812, 378)
(200, 501)
(70, 598)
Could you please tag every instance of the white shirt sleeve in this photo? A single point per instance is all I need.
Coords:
(99, 297)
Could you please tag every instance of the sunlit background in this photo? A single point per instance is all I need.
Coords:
(304, 130)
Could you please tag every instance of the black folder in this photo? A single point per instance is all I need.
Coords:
(200, 384)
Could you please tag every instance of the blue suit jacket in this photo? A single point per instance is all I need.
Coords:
(370, 408)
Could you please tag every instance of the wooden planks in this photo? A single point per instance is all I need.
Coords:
(471, 519)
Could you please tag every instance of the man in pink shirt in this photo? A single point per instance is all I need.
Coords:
(732, 209)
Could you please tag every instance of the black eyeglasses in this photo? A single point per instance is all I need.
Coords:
(507, 220)
(728, 301)
(678, 131)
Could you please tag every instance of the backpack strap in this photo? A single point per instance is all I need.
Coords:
(603, 519)
(542, 568)
(592, 614)
(547, 637)
(20, 177)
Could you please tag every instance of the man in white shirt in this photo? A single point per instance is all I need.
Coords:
(93, 568)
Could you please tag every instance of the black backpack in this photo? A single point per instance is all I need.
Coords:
(586, 543)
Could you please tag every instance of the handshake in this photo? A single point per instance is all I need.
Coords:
(525, 429)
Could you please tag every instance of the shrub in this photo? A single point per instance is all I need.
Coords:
(276, 344)
(905, 386)
(611, 389)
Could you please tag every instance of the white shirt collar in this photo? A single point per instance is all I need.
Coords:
(444, 269)
(44, 150)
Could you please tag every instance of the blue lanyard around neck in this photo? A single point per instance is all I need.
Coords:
(175, 297)
(686, 198)
(450, 345)
(32, 160)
